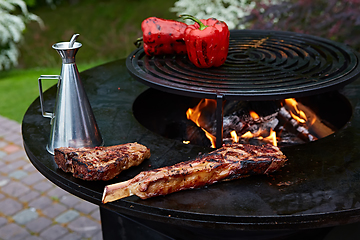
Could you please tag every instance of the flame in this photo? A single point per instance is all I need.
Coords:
(234, 136)
(261, 134)
(211, 137)
(254, 115)
(312, 123)
(301, 113)
(194, 114)
(271, 138)
(297, 114)
(248, 134)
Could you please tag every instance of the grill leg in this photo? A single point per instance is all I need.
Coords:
(219, 120)
(116, 226)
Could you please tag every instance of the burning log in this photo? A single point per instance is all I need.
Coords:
(304, 120)
(241, 116)
(291, 125)
(256, 122)
(186, 131)
(262, 108)
(195, 135)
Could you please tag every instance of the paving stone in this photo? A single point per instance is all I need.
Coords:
(54, 232)
(54, 210)
(29, 196)
(84, 226)
(33, 238)
(25, 216)
(43, 186)
(69, 200)
(3, 144)
(38, 225)
(12, 137)
(5, 132)
(30, 168)
(41, 202)
(3, 221)
(4, 181)
(18, 174)
(11, 148)
(19, 141)
(9, 206)
(21, 235)
(2, 154)
(2, 128)
(13, 231)
(16, 127)
(96, 215)
(85, 207)
(67, 216)
(33, 178)
(34, 213)
(10, 124)
(72, 236)
(15, 189)
(14, 156)
(57, 192)
(12, 166)
(98, 236)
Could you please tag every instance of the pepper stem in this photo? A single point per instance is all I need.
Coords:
(138, 41)
(187, 16)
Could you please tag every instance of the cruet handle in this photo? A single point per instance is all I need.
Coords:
(50, 77)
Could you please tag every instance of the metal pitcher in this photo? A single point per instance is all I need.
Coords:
(73, 123)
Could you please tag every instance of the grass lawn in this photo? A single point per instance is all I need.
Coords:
(107, 31)
(19, 89)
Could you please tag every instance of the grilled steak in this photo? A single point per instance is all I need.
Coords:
(226, 163)
(100, 163)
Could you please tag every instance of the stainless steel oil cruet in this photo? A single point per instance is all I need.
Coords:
(73, 123)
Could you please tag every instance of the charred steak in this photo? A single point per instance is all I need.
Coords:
(100, 163)
(226, 163)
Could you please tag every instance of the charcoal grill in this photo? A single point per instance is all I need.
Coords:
(319, 188)
(261, 65)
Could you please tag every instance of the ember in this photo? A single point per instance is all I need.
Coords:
(279, 123)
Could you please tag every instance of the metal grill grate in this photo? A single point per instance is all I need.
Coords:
(261, 65)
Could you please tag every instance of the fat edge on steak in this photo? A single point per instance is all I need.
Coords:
(227, 163)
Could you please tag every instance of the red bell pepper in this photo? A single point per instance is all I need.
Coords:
(207, 42)
(163, 36)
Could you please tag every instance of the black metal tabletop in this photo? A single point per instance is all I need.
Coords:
(318, 187)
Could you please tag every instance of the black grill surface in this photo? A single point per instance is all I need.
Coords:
(261, 65)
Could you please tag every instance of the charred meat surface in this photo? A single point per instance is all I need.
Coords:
(232, 161)
(100, 163)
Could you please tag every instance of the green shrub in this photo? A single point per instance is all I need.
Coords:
(338, 20)
(13, 18)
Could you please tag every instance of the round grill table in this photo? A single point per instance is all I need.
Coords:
(319, 188)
